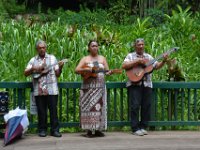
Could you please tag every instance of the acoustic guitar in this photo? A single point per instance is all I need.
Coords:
(47, 69)
(96, 70)
(135, 74)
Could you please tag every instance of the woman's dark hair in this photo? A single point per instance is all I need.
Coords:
(91, 42)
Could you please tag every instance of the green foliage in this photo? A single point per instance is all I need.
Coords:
(86, 17)
(11, 7)
(142, 27)
(156, 16)
(119, 11)
(182, 21)
(67, 34)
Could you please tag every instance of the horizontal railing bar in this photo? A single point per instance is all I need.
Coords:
(174, 123)
(13, 85)
(161, 85)
(175, 85)
(157, 123)
(69, 85)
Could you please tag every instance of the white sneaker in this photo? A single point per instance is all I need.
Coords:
(144, 131)
(138, 133)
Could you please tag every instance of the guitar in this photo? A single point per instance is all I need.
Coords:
(136, 73)
(47, 69)
(96, 70)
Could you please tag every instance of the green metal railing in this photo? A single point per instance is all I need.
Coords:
(173, 103)
(176, 103)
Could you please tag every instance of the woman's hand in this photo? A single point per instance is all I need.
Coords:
(109, 72)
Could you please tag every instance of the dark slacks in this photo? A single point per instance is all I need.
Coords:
(140, 103)
(43, 104)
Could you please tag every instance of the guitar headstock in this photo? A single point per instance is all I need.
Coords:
(175, 49)
(64, 60)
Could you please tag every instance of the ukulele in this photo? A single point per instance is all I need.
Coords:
(136, 73)
(95, 70)
(47, 69)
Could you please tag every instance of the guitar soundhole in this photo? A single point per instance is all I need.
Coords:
(138, 72)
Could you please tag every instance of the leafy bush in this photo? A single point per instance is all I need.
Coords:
(157, 16)
(11, 7)
(119, 11)
(67, 34)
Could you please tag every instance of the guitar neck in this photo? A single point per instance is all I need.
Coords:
(52, 65)
(113, 71)
(160, 56)
(101, 70)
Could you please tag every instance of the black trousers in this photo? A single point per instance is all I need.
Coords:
(43, 104)
(140, 103)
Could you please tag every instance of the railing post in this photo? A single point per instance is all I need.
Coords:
(20, 98)
(153, 109)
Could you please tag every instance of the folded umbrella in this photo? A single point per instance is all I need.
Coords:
(16, 124)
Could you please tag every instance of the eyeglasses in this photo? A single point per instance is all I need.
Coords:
(139, 40)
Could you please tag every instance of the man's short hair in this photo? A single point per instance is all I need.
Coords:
(40, 42)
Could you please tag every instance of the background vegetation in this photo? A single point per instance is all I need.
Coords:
(67, 34)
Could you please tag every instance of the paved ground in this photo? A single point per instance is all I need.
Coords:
(156, 140)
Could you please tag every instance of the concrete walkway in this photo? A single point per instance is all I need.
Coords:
(156, 140)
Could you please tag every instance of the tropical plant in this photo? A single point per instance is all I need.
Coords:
(119, 10)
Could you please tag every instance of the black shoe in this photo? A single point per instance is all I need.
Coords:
(99, 133)
(42, 133)
(56, 134)
(89, 134)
